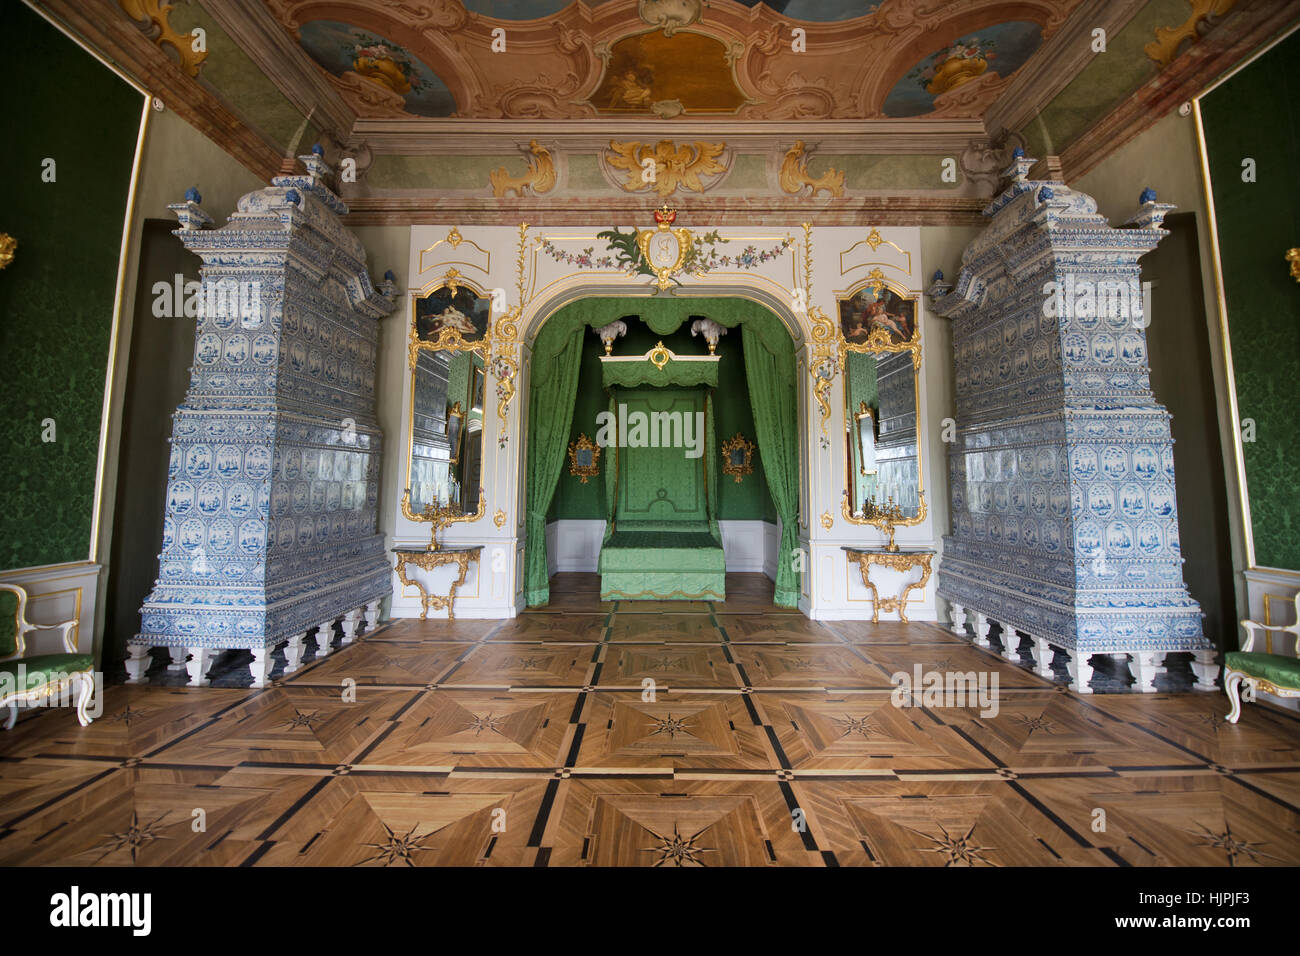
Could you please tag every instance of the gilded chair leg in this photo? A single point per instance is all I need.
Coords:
(86, 689)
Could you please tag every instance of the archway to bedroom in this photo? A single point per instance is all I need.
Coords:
(661, 467)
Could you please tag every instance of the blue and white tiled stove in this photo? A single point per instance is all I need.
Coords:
(1065, 525)
(270, 530)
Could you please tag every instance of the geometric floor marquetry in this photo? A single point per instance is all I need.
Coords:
(653, 734)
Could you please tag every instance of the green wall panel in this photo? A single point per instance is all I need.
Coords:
(1253, 116)
(56, 298)
(747, 500)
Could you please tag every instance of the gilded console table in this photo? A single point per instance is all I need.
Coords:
(904, 559)
(428, 560)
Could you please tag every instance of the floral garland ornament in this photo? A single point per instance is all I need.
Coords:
(700, 255)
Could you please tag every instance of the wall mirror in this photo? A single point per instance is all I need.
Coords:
(448, 345)
(880, 353)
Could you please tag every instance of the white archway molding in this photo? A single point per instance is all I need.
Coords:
(817, 266)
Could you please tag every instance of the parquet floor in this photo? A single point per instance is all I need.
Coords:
(769, 740)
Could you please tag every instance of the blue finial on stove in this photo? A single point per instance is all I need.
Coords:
(1045, 194)
(292, 196)
(1018, 153)
(192, 195)
(317, 149)
(390, 276)
(938, 275)
(1148, 195)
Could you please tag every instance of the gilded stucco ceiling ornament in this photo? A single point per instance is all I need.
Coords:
(665, 166)
(1164, 48)
(539, 176)
(794, 177)
(155, 13)
(670, 15)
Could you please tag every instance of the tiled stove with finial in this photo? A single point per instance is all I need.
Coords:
(270, 531)
(1064, 520)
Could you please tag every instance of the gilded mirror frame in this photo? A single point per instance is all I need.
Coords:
(452, 340)
(879, 342)
(738, 470)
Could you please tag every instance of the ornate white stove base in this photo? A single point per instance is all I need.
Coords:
(959, 620)
(1080, 666)
(260, 666)
(324, 639)
(293, 651)
(1043, 653)
(138, 661)
(1011, 645)
(982, 627)
(1144, 666)
(372, 615)
(178, 655)
(351, 621)
(201, 659)
(1205, 665)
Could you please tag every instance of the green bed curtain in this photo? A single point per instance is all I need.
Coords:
(611, 463)
(711, 465)
(776, 419)
(551, 391)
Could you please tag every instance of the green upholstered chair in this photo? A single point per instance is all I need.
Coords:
(1274, 673)
(45, 675)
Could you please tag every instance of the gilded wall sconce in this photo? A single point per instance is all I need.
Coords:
(584, 458)
(738, 457)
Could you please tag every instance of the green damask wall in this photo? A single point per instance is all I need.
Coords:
(56, 298)
(747, 500)
(1253, 116)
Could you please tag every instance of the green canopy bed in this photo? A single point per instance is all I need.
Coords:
(662, 539)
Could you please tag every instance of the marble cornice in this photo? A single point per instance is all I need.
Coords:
(701, 211)
(476, 136)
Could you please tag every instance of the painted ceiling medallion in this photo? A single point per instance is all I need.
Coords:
(667, 75)
(992, 53)
(376, 74)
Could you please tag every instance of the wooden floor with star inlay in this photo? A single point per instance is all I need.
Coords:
(648, 734)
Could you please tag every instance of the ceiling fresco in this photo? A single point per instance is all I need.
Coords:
(753, 110)
(380, 72)
(984, 57)
(778, 60)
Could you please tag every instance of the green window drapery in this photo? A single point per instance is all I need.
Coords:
(553, 383)
(776, 419)
(711, 466)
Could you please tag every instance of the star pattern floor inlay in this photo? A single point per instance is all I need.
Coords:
(653, 734)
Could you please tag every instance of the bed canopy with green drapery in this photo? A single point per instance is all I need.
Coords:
(770, 368)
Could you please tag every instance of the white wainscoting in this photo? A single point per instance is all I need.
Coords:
(574, 545)
(1271, 594)
(58, 593)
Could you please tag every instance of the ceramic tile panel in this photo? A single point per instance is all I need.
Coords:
(270, 525)
(1064, 521)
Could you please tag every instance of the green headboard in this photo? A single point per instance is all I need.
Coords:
(662, 484)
